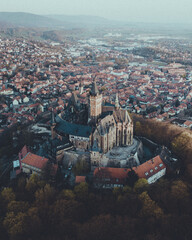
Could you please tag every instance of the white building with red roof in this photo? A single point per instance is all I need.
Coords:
(151, 170)
(33, 163)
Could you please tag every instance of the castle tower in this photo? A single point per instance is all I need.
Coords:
(95, 103)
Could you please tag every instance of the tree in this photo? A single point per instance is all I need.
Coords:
(8, 195)
(141, 185)
(82, 166)
(179, 190)
(81, 191)
(138, 128)
(132, 177)
(15, 224)
(67, 194)
(47, 170)
(45, 195)
(17, 206)
(117, 191)
(150, 208)
(179, 144)
(34, 183)
(33, 222)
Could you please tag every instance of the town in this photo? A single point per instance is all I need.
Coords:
(43, 81)
(95, 120)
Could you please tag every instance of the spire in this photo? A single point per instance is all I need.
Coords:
(52, 117)
(94, 89)
(117, 101)
(127, 117)
(81, 88)
(95, 147)
(74, 98)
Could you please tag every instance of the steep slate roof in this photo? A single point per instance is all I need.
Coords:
(34, 160)
(73, 129)
(108, 104)
(94, 89)
(121, 115)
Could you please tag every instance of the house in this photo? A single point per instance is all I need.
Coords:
(105, 177)
(152, 170)
(187, 124)
(33, 163)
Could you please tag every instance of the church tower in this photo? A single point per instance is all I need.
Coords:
(95, 103)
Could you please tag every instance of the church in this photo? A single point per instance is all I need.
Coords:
(96, 127)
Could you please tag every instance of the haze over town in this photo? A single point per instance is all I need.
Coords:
(95, 120)
(157, 11)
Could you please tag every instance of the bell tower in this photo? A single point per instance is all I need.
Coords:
(95, 103)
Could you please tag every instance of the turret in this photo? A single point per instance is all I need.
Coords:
(117, 101)
(81, 88)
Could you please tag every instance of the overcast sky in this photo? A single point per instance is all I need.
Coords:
(176, 11)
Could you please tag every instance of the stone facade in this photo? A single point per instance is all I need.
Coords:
(95, 106)
(95, 103)
(107, 126)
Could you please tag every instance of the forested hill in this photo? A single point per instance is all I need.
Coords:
(177, 139)
(20, 19)
(35, 209)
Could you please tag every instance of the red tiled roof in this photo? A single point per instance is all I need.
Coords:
(188, 123)
(23, 152)
(111, 174)
(34, 160)
(79, 179)
(119, 175)
(149, 168)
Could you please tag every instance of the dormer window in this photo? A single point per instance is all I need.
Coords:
(160, 165)
(146, 173)
(151, 170)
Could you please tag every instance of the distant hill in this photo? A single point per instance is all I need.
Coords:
(29, 20)
(81, 20)
(20, 19)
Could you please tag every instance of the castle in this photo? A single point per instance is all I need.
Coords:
(96, 127)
